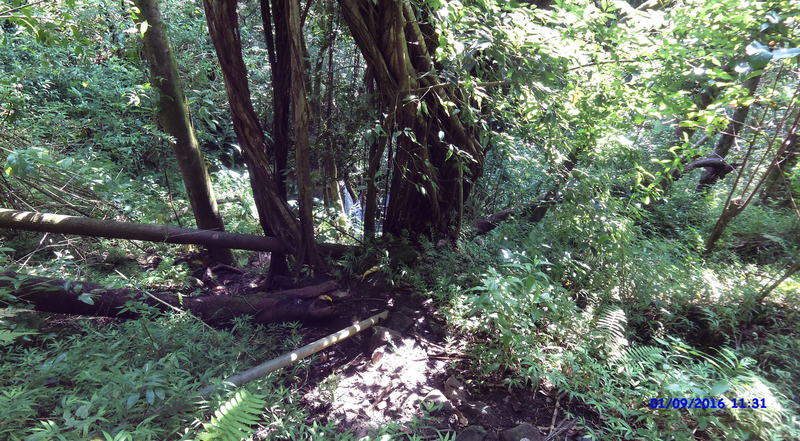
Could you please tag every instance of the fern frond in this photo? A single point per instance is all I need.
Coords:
(233, 420)
(641, 358)
(611, 323)
(8, 337)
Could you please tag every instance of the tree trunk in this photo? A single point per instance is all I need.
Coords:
(85, 298)
(776, 186)
(281, 98)
(173, 115)
(437, 158)
(301, 146)
(273, 211)
(56, 223)
(333, 196)
(792, 270)
(734, 206)
(733, 209)
(711, 175)
(281, 83)
(376, 149)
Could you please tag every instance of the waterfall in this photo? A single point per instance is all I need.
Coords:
(351, 208)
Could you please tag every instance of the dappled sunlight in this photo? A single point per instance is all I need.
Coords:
(388, 387)
(714, 286)
(375, 220)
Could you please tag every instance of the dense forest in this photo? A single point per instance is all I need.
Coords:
(455, 220)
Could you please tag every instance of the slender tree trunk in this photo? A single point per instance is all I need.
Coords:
(281, 99)
(430, 178)
(776, 187)
(792, 270)
(734, 206)
(273, 211)
(173, 115)
(376, 150)
(710, 175)
(330, 171)
(301, 144)
(279, 60)
(733, 209)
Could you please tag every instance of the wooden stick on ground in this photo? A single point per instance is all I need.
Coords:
(293, 357)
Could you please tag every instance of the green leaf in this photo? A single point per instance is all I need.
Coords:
(83, 411)
(7, 337)
(720, 388)
(132, 399)
(674, 388)
(86, 298)
(759, 55)
(66, 162)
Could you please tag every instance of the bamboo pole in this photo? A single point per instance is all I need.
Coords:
(293, 357)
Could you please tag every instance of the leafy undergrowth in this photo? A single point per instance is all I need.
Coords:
(588, 308)
(595, 310)
(104, 379)
(525, 320)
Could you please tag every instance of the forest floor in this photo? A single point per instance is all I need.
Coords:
(413, 373)
(411, 370)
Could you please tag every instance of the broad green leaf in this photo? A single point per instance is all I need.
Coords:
(759, 55)
(132, 399)
(720, 388)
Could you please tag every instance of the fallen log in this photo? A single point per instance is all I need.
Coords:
(85, 298)
(84, 226)
(308, 292)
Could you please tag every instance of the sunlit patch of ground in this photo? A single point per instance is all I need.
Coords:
(388, 386)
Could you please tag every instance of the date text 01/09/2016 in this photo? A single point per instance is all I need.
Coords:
(708, 403)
